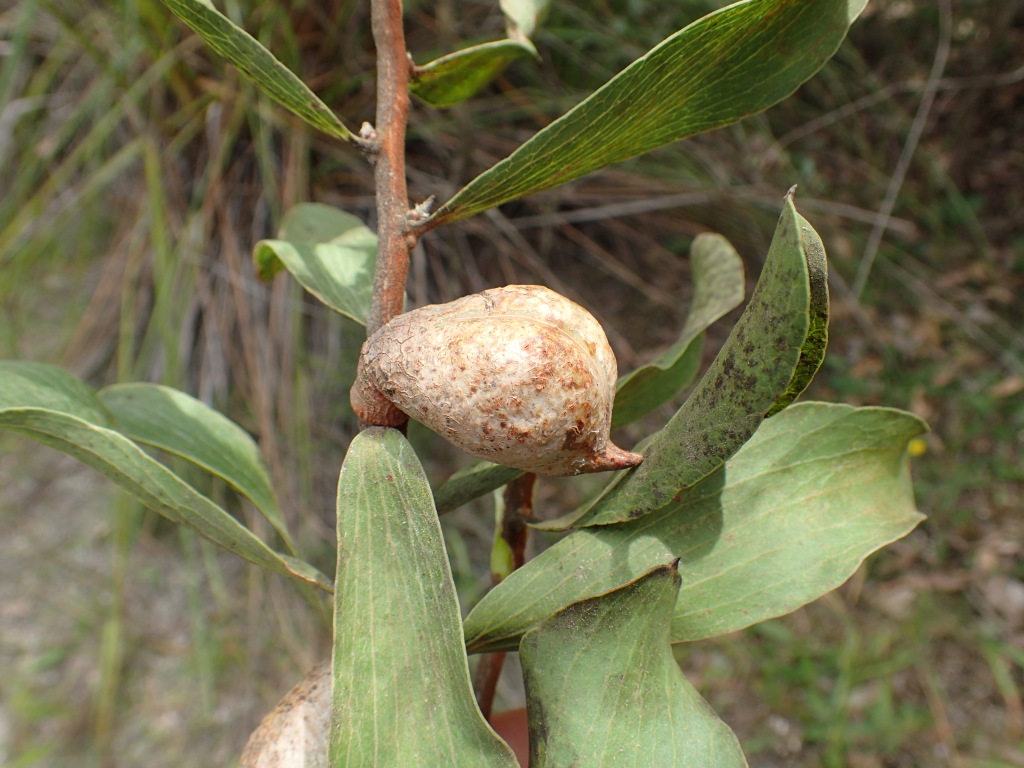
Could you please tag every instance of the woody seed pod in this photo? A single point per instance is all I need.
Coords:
(516, 375)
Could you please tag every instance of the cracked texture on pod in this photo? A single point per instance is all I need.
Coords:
(517, 375)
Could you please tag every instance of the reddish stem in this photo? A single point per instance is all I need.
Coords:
(485, 680)
(395, 239)
(518, 510)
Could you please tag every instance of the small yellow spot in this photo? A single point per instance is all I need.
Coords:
(917, 447)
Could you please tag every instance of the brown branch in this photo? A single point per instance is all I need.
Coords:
(518, 511)
(394, 238)
(514, 531)
(485, 680)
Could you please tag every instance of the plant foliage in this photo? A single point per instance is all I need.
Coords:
(746, 506)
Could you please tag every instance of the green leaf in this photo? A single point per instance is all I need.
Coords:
(728, 65)
(331, 253)
(175, 422)
(51, 406)
(718, 288)
(789, 517)
(258, 64)
(472, 482)
(458, 76)
(47, 387)
(603, 688)
(812, 354)
(402, 695)
(751, 372)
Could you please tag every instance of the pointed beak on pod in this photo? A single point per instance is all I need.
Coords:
(518, 375)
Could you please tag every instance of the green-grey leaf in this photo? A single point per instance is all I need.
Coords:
(457, 76)
(751, 372)
(472, 482)
(730, 64)
(258, 64)
(717, 288)
(813, 352)
(603, 688)
(51, 406)
(523, 16)
(402, 695)
(789, 517)
(47, 387)
(175, 422)
(331, 253)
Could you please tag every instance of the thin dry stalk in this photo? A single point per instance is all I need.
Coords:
(909, 148)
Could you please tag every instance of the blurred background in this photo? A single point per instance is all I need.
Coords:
(137, 172)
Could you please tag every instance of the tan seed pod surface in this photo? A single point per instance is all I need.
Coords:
(295, 733)
(518, 375)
